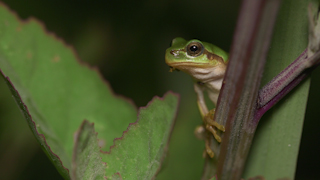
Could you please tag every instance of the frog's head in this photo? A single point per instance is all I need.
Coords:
(196, 58)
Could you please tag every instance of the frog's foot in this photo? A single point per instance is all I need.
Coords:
(202, 134)
(211, 124)
(208, 149)
(214, 132)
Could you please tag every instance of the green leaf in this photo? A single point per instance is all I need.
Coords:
(58, 91)
(138, 154)
(40, 137)
(55, 94)
(276, 143)
(86, 161)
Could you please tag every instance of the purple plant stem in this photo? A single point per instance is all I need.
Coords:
(284, 82)
(238, 97)
(241, 115)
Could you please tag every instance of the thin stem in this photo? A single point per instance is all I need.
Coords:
(237, 99)
(284, 82)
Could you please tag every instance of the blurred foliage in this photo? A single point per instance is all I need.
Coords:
(127, 40)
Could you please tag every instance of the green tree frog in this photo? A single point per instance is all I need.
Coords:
(207, 64)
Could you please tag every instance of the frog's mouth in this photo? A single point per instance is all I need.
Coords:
(192, 66)
(179, 65)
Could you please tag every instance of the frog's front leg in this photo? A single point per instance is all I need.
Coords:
(208, 118)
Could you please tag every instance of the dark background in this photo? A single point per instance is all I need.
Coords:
(127, 40)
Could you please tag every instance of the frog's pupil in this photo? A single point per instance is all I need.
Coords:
(193, 48)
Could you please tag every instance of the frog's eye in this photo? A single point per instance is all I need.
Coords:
(195, 49)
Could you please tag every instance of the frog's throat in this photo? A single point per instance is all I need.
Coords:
(205, 75)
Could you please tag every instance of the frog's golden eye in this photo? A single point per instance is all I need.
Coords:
(195, 49)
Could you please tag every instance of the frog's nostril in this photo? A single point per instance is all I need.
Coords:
(174, 52)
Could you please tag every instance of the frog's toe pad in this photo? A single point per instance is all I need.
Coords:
(215, 124)
(208, 150)
(214, 132)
